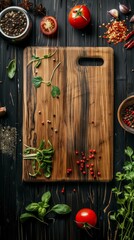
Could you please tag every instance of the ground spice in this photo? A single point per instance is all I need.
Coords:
(8, 137)
(116, 31)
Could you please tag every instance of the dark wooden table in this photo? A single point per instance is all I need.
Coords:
(15, 194)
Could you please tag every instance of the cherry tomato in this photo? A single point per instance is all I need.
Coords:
(79, 16)
(49, 25)
(86, 217)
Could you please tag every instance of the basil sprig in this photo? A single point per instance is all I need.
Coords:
(41, 210)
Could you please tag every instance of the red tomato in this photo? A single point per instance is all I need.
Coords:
(48, 25)
(79, 16)
(86, 217)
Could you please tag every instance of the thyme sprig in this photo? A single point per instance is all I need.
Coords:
(124, 192)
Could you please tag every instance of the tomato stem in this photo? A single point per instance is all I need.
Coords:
(79, 13)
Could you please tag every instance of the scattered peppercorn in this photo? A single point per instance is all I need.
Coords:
(128, 116)
(13, 23)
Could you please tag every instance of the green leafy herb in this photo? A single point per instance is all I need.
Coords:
(38, 60)
(55, 92)
(41, 210)
(37, 81)
(125, 198)
(11, 68)
(41, 158)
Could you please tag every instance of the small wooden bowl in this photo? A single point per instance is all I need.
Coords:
(129, 101)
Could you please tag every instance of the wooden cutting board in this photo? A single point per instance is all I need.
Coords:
(80, 119)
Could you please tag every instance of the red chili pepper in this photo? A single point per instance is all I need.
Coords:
(131, 45)
(129, 34)
(126, 44)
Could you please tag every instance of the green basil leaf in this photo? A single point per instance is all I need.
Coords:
(41, 212)
(32, 207)
(11, 68)
(26, 216)
(37, 81)
(46, 197)
(61, 209)
(55, 92)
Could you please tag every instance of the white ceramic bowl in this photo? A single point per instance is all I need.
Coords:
(19, 36)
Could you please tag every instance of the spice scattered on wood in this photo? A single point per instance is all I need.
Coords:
(116, 31)
(48, 121)
(85, 163)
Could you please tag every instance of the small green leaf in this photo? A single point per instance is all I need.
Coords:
(55, 92)
(32, 207)
(113, 217)
(47, 173)
(41, 212)
(34, 57)
(37, 81)
(121, 201)
(61, 209)
(129, 151)
(26, 216)
(11, 68)
(46, 197)
(41, 146)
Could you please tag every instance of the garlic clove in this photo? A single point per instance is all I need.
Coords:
(124, 9)
(114, 13)
(131, 19)
(2, 111)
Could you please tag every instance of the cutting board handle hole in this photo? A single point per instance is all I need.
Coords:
(87, 61)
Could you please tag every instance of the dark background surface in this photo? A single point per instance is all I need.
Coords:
(15, 194)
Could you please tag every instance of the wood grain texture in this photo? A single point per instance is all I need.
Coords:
(82, 115)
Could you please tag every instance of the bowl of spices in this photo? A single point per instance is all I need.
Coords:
(15, 23)
(125, 114)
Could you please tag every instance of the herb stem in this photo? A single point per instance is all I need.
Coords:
(51, 78)
(49, 55)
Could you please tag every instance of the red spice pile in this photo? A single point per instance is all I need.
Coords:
(116, 32)
(128, 116)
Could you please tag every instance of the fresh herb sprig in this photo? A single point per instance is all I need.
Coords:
(124, 216)
(40, 210)
(11, 68)
(41, 158)
(38, 60)
(38, 80)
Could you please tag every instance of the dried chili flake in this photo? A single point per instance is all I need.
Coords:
(116, 32)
